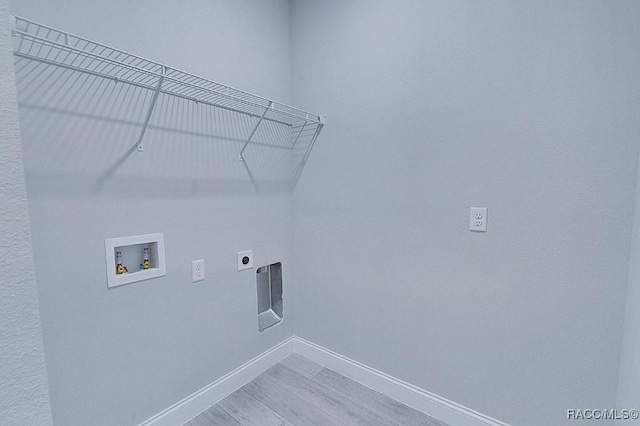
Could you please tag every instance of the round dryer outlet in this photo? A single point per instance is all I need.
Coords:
(245, 260)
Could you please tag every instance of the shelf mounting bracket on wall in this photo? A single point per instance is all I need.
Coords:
(322, 119)
(300, 132)
(255, 129)
(151, 107)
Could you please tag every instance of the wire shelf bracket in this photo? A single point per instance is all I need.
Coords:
(150, 111)
(253, 132)
(55, 48)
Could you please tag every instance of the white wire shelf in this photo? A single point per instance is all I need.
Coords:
(50, 47)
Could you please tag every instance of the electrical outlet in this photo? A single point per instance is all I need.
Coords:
(245, 260)
(478, 219)
(197, 270)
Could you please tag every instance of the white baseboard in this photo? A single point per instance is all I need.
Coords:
(413, 396)
(196, 403)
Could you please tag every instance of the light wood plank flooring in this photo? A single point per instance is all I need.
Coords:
(300, 392)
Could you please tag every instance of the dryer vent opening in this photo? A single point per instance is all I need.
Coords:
(269, 285)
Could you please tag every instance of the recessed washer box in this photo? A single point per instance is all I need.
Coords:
(130, 255)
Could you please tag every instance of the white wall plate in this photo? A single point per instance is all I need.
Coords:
(478, 219)
(245, 260)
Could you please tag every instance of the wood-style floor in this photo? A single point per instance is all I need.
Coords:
(300, 392)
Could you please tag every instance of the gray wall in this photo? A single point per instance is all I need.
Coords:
(528, 108)
(24, 394)
(119, 356)
(629, 381)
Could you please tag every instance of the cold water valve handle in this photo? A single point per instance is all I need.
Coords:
(145, 256)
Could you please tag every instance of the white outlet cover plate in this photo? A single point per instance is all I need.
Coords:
(478, 219)
(241, 255)
(197, 270)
